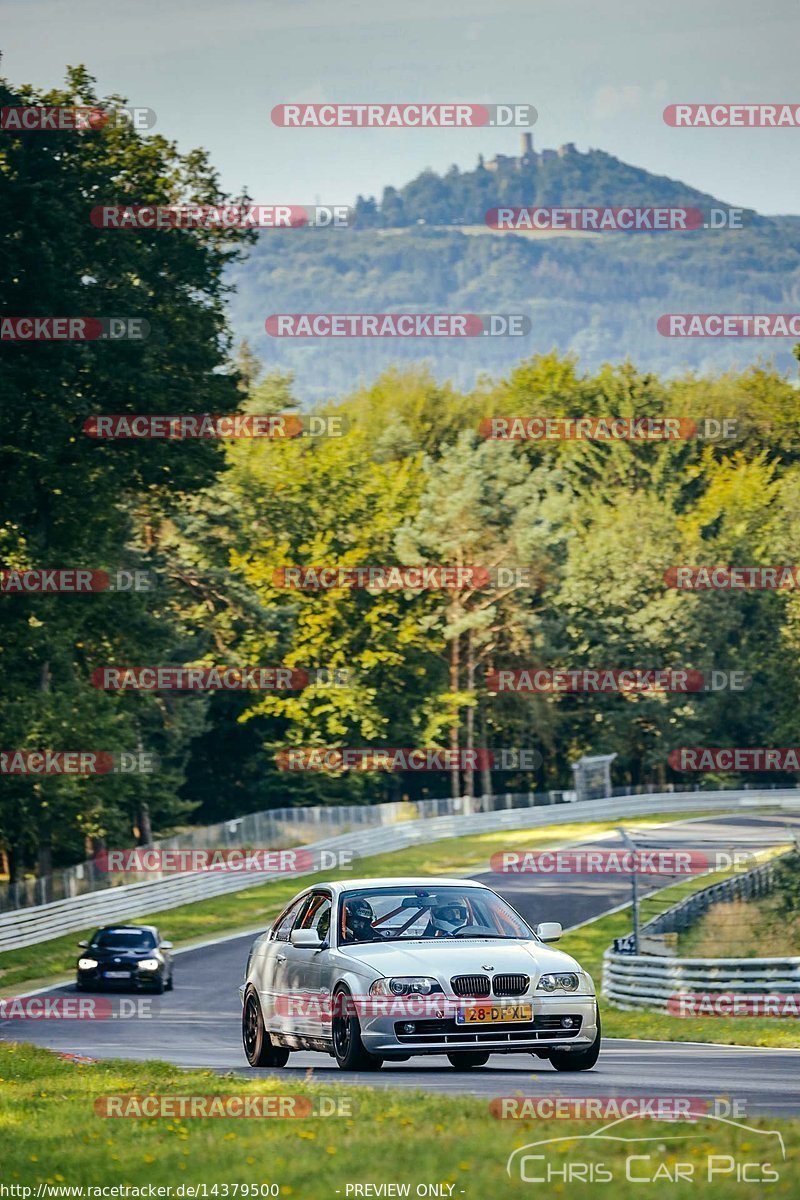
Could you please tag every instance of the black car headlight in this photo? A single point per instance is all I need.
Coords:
(87, 964)
(148, 964)
(563, 981)
(405, 985)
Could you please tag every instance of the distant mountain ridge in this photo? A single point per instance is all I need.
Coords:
(596, 296)
(545, 178)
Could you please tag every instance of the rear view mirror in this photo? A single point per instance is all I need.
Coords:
(166, 945)
(83, 945)
(549, 931)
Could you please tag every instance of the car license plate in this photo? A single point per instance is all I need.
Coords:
(494, 1014)
(117, 974)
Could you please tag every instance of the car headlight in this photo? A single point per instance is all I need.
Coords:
(87, 964)
(149, 964)
(405, 985)
(566, 982)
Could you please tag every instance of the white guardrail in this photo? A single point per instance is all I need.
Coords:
(639, 981)
(133, 902)
(676, 984)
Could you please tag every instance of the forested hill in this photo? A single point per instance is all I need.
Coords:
(566, 177)
(598, 296)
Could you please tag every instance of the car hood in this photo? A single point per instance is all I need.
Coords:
(445, 957)
(124, 954)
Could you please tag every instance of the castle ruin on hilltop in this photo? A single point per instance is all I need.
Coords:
(528, 158)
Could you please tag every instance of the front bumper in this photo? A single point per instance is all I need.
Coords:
(562, 1022)
(96, 979)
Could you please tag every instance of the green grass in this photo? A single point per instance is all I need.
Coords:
(256, 907)
(588, 945)
(50, 1134)
(743, 929)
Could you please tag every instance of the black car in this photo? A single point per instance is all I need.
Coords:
(132, 956)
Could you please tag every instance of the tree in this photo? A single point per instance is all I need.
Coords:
(73, 501)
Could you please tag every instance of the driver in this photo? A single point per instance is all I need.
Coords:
(358, 918)
(447, 917)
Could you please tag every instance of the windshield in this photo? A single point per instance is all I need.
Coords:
(405, 914)
(124, 939)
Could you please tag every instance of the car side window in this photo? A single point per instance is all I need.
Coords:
(323, 920)
(318, 915)
(283, 926)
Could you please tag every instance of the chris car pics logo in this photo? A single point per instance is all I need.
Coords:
(624, 1150)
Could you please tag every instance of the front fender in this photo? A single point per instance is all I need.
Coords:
(357, 985)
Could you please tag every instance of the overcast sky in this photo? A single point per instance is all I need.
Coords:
(599, 74)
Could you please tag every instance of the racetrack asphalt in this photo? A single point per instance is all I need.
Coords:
(198, 1024)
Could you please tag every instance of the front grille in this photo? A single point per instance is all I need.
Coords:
(447, 1031)
(471, 985)
(510, 985)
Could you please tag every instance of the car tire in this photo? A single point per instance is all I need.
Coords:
(79, 987)
(158, 986)
(258, 1048)
(171, 982)
(467, 1059)
(348, 1049)
(578, 1060)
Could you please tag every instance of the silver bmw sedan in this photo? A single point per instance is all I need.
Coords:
(377, 970)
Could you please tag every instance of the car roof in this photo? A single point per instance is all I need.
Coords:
(341, 886)
(123, 928)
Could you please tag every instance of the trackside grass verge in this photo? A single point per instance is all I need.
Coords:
(52, 1136)
(588, 945)
(257, 906)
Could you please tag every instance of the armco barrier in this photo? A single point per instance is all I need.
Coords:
(651, 981)
(639, 981)
(276, 828)
(282, 828)
(26, 927)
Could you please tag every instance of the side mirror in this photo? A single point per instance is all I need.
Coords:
(308, 938)
(166, 946)
(83, 945)
(549, 931)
